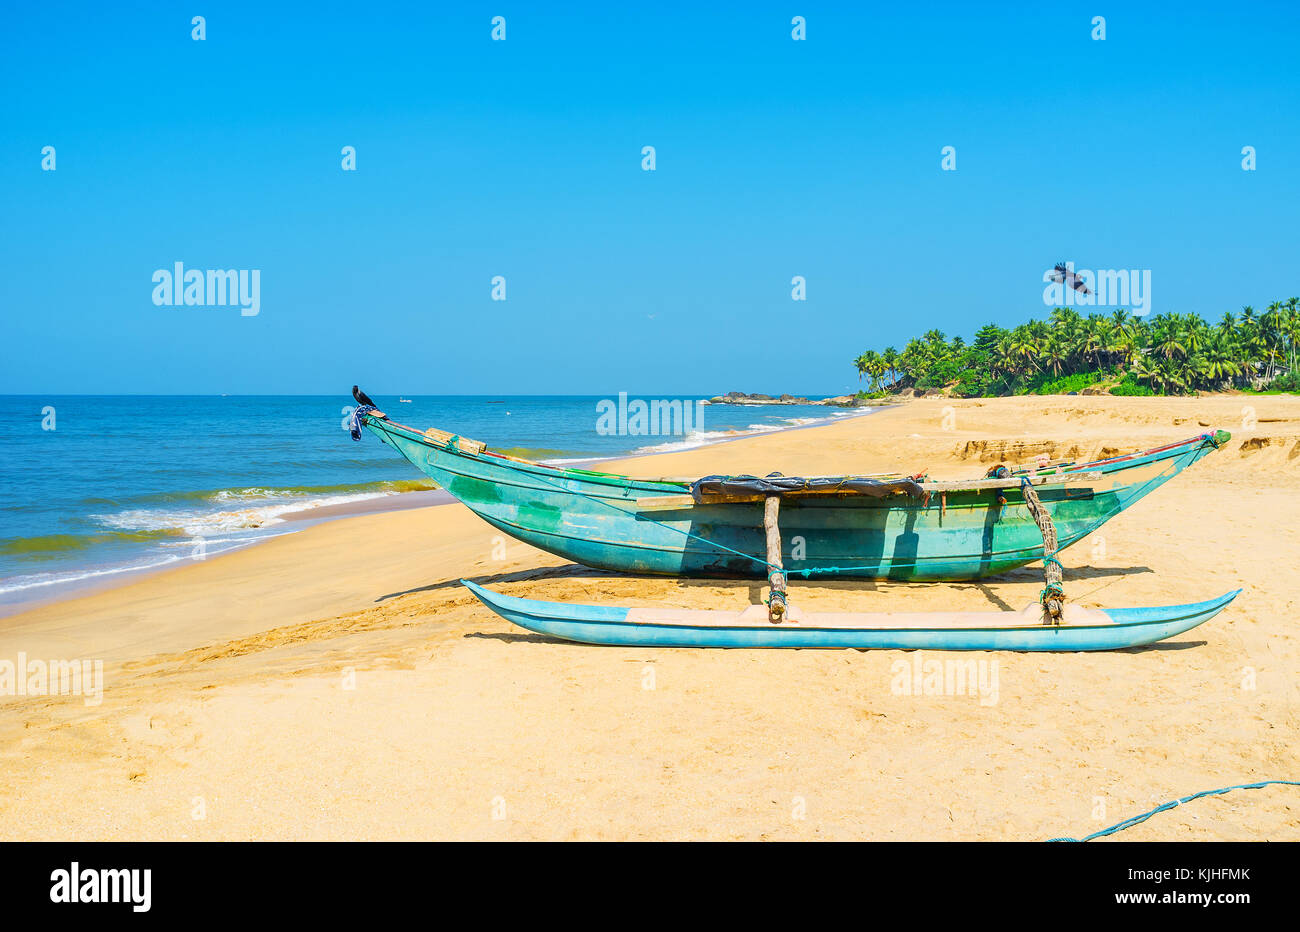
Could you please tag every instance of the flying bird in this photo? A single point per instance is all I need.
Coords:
(1063, 275)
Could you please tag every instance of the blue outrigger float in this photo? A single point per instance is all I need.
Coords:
(1080, 629)
(849, 527)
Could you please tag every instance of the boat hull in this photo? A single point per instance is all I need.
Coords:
(610, 521)
(591, 624)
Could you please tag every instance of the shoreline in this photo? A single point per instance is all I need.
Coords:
(102, 579)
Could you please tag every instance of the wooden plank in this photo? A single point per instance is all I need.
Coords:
(472, 447)
(1068, 478)
(665, 503)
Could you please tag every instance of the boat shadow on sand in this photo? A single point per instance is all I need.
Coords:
(755, 587)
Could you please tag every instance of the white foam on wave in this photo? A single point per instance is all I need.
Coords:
(197, 522)
(40, 580)
(695, 439)
(702, 438)
(72, 577)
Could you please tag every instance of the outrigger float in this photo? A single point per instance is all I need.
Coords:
(881, 526)
(1080, 629)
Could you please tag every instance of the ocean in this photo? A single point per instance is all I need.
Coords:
(94, 488)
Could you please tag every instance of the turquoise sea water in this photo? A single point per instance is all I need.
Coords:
(126, 483)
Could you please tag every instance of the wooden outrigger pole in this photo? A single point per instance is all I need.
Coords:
(1052, 596)
(776, 600)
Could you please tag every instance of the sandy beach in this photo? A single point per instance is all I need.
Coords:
(337, 683)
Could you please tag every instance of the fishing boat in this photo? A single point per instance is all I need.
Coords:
(853, 527)
(1078, 629)
(890, 526)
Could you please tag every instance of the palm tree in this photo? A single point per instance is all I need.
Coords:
(1144, 370)
(1054, 356)
(1089, 339)
(1270, 323)
(1167, 338)
(863, 363)
(1291, 327)
(890, 358)
(1025, 346)
(914, 359)
(1172, 352)
(1169, 375)
(1005, 358)
(1220, 366)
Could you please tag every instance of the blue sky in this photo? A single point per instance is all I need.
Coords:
(522, 158)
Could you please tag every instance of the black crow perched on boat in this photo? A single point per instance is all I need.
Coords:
(1062, 274)
(362, 398)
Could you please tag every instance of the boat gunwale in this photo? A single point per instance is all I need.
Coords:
(674, 486)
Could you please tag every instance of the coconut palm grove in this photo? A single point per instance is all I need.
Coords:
(1116, 353)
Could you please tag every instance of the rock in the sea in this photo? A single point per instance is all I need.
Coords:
(758, 398)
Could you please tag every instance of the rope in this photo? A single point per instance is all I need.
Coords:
(1053, 594)
(1164, 807)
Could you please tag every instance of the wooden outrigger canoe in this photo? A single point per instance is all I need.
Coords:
(1080, 629)
(854, 527)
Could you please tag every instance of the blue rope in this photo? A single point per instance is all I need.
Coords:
(1129, 823)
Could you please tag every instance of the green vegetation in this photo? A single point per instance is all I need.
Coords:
(1128, 387)
(1170, 354)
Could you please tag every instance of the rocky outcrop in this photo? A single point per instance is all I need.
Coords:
(743, 398)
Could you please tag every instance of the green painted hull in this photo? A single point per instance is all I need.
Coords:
(595, 518)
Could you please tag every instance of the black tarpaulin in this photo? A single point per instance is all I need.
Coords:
(713, 487)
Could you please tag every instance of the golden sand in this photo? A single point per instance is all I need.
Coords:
(338, 684)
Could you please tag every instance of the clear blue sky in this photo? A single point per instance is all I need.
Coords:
(522, 158)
